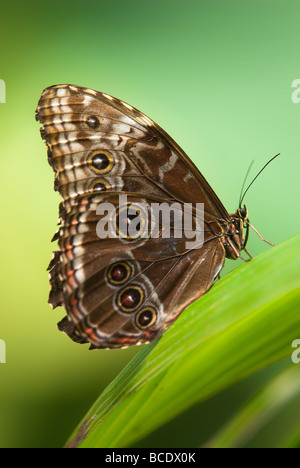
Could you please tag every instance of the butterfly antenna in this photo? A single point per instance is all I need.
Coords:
(242, 198)
(245, 178)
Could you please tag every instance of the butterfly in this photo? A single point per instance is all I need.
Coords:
(125, 290)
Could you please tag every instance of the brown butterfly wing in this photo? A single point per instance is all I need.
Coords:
(166, 275)
(119, 292)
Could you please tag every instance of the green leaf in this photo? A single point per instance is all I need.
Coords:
(247, 321)
(260, 410)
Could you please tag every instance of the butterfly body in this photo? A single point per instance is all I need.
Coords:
(126, 289)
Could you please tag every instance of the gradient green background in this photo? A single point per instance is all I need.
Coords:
(217, 76)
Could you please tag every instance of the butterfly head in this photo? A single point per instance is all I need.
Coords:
(237, 233)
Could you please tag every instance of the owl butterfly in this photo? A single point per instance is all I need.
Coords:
(125, 290)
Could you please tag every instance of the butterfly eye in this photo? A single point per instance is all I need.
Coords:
(146, 318)
(119, 273)
(92, 121)
(130, 298)
(243, 213)
(101, 162)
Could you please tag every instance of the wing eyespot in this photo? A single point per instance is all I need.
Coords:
(130, 298)
(92, 122)
(100, 185)
(119, 273)
(130, 222)
(146, 318)
(101, 162)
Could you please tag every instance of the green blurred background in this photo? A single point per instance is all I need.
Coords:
(217, 76)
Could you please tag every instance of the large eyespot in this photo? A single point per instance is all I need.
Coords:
(130, 298)
(101, 162)
(119, 273)
(99, 185)
(130, 221)
(146, 317)
(92, 121)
